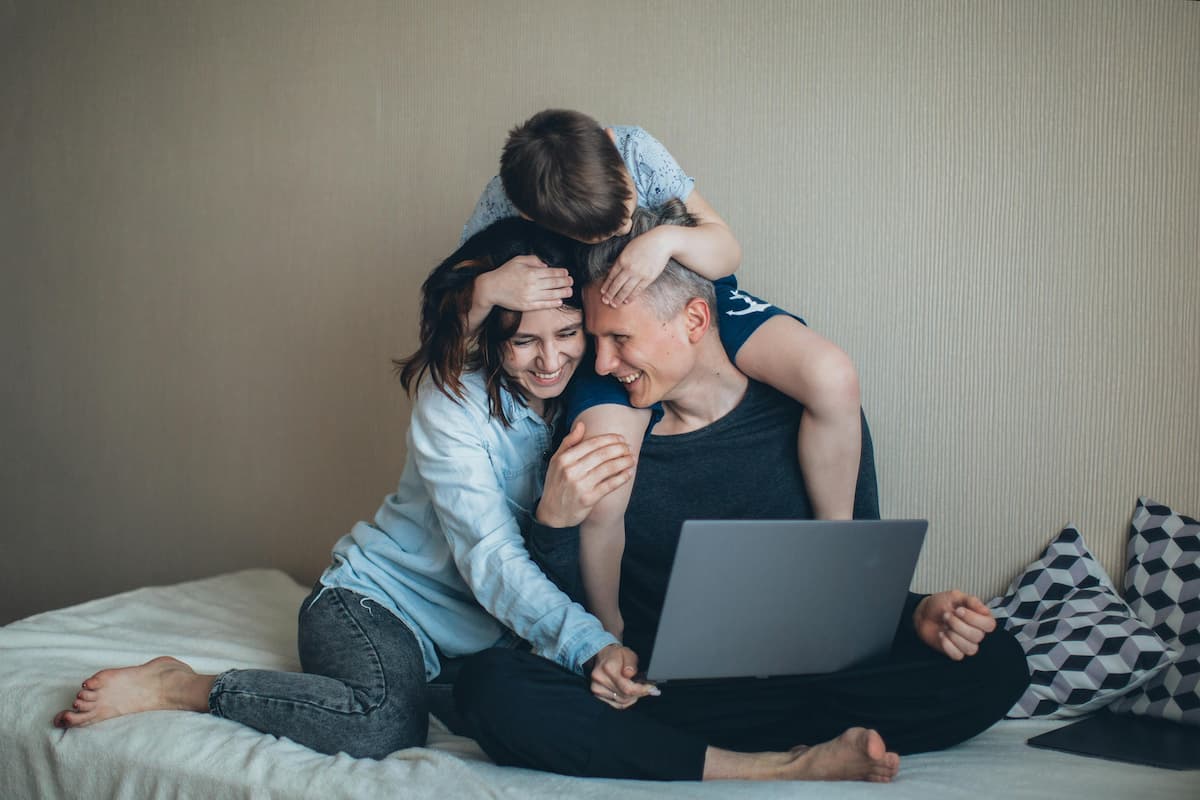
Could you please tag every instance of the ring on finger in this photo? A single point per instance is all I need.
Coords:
(614, 694)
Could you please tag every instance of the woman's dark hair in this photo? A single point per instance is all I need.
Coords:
(447, 348)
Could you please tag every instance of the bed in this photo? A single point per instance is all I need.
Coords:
(247, 619)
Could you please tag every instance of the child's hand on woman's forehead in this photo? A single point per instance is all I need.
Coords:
(525, 283)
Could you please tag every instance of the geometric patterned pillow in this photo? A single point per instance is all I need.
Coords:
(1162, 586)
(1084, 646)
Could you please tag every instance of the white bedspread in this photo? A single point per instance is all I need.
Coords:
(247, 619)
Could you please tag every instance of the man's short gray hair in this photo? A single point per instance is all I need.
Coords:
(677, 284)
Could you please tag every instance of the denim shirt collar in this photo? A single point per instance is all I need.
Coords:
(515, 410)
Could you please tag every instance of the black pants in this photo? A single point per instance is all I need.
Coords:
(526, 711)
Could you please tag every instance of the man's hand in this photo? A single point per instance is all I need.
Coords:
(582, 472)
(613, 669)
(640, 263)
(953, 623)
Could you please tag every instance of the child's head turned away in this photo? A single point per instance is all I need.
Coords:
(562, 170)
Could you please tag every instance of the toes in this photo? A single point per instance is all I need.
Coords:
(70, 719)
(872, 744)
(84, 705)
(98, 680)
(879, 775)
(87, 695)
(80, 718)
(888, 765)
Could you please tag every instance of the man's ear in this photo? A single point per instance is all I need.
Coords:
(697, 318)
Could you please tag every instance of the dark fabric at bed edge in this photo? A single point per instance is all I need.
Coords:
(1127, 738)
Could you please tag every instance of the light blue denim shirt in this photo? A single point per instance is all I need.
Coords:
(657, 177)
(445, 552)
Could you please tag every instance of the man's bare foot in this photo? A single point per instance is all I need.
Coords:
(162, 684)
(857, 755)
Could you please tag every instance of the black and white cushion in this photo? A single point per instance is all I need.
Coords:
(1084, 645)
(1162, 586)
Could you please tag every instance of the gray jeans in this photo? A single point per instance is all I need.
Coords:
(362, 691)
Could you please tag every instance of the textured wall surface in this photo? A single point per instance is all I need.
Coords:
(215, 217)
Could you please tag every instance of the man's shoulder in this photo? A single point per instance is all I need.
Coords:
(764, 396)
(763, 406)
(761, 410)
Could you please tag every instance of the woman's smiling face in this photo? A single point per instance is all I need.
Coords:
(542, 355)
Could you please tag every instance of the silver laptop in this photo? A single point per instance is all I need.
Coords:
(757, 598)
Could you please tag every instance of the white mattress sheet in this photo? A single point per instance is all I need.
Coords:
(247, 619)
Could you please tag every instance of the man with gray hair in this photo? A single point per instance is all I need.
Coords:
(721, 446)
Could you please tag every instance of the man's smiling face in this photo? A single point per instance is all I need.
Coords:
(648, 355)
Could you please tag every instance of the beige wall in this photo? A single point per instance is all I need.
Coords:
(215, 217)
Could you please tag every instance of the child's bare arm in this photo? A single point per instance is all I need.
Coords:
(809, 368)
(602, 534)
(601, 545)
(709, 249)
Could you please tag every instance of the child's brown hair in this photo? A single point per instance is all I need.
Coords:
(561, 169)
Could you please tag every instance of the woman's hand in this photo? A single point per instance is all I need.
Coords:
(581, 472)
(523, 283)
(613, 670)
(953, 623)
(640, 263)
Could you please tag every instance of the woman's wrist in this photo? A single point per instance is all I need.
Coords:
(590, 664)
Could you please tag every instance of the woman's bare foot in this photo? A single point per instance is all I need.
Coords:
(162, 684)
(858, 754)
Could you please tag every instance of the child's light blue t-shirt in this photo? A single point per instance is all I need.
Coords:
(657, 178)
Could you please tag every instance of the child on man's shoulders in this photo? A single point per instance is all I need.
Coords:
(565, 171)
